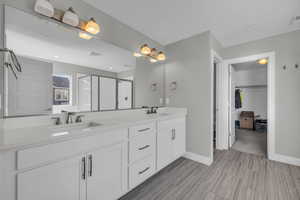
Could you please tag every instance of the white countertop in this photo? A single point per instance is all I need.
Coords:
(21, 138)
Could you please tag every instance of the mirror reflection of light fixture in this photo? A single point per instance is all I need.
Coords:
(161, 56)
(263, 61)
(92, 27)
(145, 49)
(151, 53)
(85, 36)
(152, 60)
(135, 54)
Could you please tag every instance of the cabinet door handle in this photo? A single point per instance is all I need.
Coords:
(90, 172)
(143, 130)
(143, 171)
(174, 133)
(83, 168)
(144, 147)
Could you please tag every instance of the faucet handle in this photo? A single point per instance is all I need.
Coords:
(57, 120)
(79, 118)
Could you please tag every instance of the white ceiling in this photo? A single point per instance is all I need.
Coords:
(253, 65)
(33, 37)
(231, 21)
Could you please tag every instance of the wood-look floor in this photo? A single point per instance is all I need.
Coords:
(233, 176)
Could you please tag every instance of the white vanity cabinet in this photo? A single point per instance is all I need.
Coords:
(104, 164)
(59, 181)
(99, 171)
(142, 153)
(107, 173)
(170, 141)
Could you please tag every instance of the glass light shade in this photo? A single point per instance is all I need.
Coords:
(153, 52)
(263, 61)
(145, 49)
(161, 56)
(85, 36)
(137, 54)
(152, 60)
(92, 27)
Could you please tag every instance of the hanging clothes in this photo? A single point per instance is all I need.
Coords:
(238, 99)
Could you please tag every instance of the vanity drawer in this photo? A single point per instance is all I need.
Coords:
(141, 171)
(141, 146)
(141, 129)
(45, 154)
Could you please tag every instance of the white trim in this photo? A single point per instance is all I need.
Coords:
(271, 95)
(199, 158)
(285, 159)
(214, 57)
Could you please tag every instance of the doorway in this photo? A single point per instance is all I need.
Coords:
(228, 127)
(248, 106)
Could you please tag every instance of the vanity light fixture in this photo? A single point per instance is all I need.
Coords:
(151, 53)
(92, 27)
(85, 36)
(145, 49)
(44, 7)
(263, 61)
(161, 56)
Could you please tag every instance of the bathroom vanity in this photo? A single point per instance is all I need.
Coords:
(104, 158)
(110, 146)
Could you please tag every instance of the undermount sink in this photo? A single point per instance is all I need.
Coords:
(78, 126)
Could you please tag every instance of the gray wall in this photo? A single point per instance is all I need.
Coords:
(287, 86)
(189, 64)
(145, 75)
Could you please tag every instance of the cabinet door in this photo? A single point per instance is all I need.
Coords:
(179, 138)
(107, 172)
(164, 144)
(59, 181)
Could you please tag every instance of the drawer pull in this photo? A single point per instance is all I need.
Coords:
(144, 147)
(90, 171)
(143, 171)
(143, 130)
(83, 168)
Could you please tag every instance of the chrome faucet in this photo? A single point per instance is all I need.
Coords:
(152, 110)
(69, 119)
(79, 118)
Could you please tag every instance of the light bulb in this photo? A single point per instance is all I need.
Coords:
(152, 60)
(85, 36)
(137, 54)
(145, 49)
(153, 52)
(263, 61)
(161, 56)
(92, 27)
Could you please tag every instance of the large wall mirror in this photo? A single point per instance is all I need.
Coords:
(61, 71)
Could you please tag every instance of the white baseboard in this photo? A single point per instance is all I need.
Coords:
(285, 159)
(198, 158)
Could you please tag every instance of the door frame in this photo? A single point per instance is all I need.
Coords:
(271, 98)
(215, 58)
